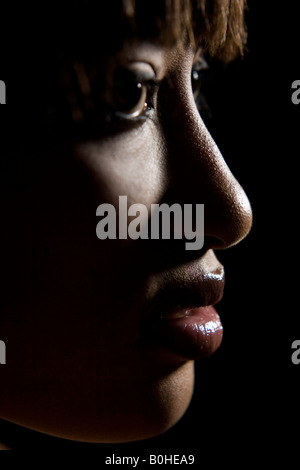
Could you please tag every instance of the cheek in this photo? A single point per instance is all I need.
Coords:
(131, 164)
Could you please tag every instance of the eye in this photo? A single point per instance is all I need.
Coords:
(195, 84)
(132, 95)
(199, 67)
(199, 81)
(131, 99)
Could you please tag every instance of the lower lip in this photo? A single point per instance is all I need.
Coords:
(191, 334)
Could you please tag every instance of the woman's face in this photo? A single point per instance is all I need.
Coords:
(101, 335)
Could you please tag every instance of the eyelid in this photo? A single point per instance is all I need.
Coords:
(152, 84)
(142, 69)
(200, 64)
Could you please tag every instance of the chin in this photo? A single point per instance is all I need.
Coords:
(134, 413)
(155, 413)
(149, 414)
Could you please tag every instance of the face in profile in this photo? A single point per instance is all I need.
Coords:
(102, 333)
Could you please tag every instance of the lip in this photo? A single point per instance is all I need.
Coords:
(182, 323)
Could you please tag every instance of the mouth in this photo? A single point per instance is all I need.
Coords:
(182, 323)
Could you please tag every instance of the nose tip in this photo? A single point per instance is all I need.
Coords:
(229, 219)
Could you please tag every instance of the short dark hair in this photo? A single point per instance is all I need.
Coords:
(217, 26)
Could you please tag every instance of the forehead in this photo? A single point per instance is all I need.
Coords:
(90, 30)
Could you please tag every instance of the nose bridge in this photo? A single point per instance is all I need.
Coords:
(201, 175)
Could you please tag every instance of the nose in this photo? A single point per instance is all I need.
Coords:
(199, 174)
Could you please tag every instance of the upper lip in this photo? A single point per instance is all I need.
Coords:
(199, 289)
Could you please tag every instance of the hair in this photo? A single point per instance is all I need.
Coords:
(217, 26)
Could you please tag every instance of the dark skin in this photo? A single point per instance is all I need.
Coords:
(75, 305)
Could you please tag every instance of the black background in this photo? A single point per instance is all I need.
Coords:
(245, 406)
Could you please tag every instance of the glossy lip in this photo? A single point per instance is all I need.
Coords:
(182, 323)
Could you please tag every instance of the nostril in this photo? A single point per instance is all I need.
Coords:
(214, 243)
